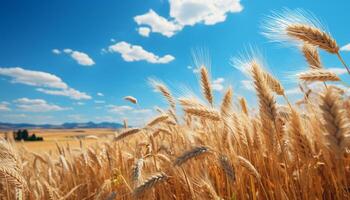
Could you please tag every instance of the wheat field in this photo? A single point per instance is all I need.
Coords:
(197, 150)
(68, 137)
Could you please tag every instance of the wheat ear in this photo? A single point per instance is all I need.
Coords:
(187, 155)
(131, 99)
(318, 75)
(311, 56)
(149, 183)
(336, 123)
(206, 85)
(203, 112)
(126, 133)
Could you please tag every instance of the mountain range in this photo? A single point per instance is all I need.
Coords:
(71, 125)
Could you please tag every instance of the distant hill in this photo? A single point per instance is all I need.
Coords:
(72, 125)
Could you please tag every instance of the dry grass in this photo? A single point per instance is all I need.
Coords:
(281, 152)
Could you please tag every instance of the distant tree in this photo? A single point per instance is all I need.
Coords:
(24, 135)
(17, 134)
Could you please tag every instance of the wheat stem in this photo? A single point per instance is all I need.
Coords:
(343, 62)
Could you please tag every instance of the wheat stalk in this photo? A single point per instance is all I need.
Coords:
(131, 99)
(227, 167)
(163, 89)
(149, 183)
(206, 85)
(336, 122)
(157, 120)
(136, 170)
(313, 36)
(273, 84)
(187, 155)
(311, 56)
(126, 133)
(267, 104)
(226, 104)
(318, 75)
(203, 112)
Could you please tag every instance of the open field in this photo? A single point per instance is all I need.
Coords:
(64, 137)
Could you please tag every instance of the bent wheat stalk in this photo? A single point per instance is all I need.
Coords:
(131, 99)
(195, 152)
(149, 183)
(318, 75)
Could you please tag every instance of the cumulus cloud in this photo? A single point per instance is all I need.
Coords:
(68, 92)
(36, 105)
(217, 84)
(345, 47)
(209, 12)
(4, 106)
(144, 31)
(80, 57)
(158, 24)
(132, 53)
(56, 51)
(188, 13)
(100, 94)
(33, 78)
(68, 51)
(99, 101)
(53, 84)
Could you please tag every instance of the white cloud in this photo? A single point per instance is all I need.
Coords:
(345, 47)
(209, 12)
(67, 51)
(82, 58)
(217, 84)
(100, 94)
(131, 53)
(338, 71)
(4, 106)
(158, 23)
(188, 13)
(99, 101)
(69, 92)
(33, 78)
(144, 31)
(80, 103)
(42, 80)
(118, 109)
(36, 105)
(56, 51)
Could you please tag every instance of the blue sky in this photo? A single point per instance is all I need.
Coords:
(63, 61)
